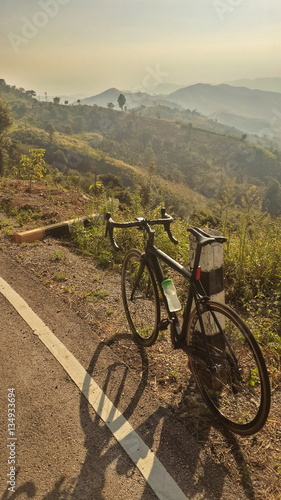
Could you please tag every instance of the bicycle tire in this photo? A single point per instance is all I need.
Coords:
(142, 307)
(236, 388)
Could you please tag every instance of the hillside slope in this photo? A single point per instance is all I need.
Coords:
(180, 154)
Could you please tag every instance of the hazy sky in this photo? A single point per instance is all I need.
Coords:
(87, 46)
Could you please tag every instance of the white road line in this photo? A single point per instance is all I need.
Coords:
(145, 460)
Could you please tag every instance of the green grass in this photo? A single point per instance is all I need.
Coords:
(96, 294)
(59, 277)
(57, 256)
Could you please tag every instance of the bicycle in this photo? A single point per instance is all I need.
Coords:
(224, 357)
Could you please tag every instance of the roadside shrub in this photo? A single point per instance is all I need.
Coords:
(253, 257)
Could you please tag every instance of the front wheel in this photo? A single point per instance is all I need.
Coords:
(140, 298)
(228, 368)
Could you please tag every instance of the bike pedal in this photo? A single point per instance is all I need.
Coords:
(164, 323)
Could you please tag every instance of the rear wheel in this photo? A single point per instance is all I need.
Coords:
(140, 298)
(228, 368)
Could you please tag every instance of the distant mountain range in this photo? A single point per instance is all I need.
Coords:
(251, 111)
(268, 84)
(165, 88)
(246, 109)
(133, 99)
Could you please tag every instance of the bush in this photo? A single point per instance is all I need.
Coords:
(253, 256)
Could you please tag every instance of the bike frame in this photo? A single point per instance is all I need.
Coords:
(153, 255)
(196, 293)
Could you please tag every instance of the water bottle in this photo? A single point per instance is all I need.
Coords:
(171, 295)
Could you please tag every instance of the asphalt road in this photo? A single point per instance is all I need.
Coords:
(63, 447)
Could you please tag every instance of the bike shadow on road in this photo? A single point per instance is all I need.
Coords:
(25, 490)
(182, 455)
(102, 449)
(197, 472)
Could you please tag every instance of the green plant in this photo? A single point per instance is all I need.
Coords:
(59, 277)
(5, 123)
(68, 289)
(91, 241)
(31, 167)
(253, 377)
(5, 227)
(253, 256)
(23, 216)
(173, 376)
(96, 294)
(57, 256)
(33, 244)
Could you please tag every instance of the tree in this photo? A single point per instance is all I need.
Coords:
(272, 198)
(20, 108)
(110, 181)
(50, 129)
(110, 105)
(68, 130)
(32, 166)
(56, 100)
(5, 123)
(147, 192)
(5, 117)
(59, 160)
(30, 93)
(66, 103)
(121, 101)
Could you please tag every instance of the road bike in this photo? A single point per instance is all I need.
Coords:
(224, 357)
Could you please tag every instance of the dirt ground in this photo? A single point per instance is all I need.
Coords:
(94, 294)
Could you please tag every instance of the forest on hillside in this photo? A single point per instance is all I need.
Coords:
(91, 139)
